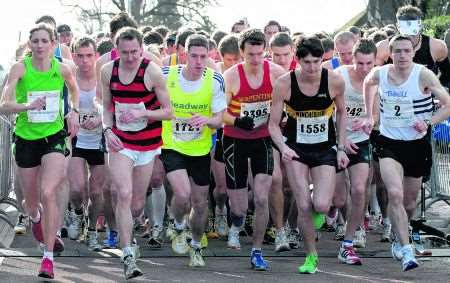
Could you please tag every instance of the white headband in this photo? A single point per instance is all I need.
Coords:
(409, 27)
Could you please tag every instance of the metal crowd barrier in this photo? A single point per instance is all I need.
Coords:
(440, 172)
(6, 166)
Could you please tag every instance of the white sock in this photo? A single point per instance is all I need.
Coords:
(195, 244)
(158, 205)
(37, 218)
(148, 208)
(386, 221)
(127, 251)
(48, 255)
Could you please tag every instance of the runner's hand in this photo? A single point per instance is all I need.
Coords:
(131, 115)
(368, 125)
(342, 159)
(245, 123)
(91, 123)
(351, 147)
(358, 124)
(73, 123)
(37, 104)
(288, 153)
(420, 126)
(113, 142)
(198, 121)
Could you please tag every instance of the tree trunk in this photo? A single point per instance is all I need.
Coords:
(381, 13)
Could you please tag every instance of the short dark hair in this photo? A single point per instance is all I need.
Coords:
(309, 45)
(272, 23)
(237, 23)
(378, 36)
(83, 41)
(217, 35)
(153, 37)
(182, 36)
(229, 45)
(365, 46)
(197, 40)
(128, 33)
(104, 46)
(399, 37)
(171, 38)
(408, 12)
(162, 30)
(145, 29)
(355, 30)
(252, 37)
(119, 21)
(47, 19)
(327, 44)
(212, 44)
(281, 39)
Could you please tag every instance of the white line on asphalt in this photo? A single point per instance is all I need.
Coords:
(369, 279)
(152, 262)
(1, 260)
(229, 275)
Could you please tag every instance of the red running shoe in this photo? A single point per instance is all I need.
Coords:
(46, 270)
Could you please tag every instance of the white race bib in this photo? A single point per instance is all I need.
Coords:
(355, 110)
(134, 126)
(398, 112)
(312, 130)
(51, 109)
(184, 132)
(259, 111)
(85, 115)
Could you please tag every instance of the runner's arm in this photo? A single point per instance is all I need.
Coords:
(370, 87)
(338, 88)
(281, 88)
(229, 78)
(107, 115)
(431, 82)
(71, 84)
(8, 104)
(154, 75)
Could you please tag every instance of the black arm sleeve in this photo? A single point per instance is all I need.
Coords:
(444, 68)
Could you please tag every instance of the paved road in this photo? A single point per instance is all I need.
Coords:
(77, 264)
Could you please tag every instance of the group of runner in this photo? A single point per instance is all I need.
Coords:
(294, 128)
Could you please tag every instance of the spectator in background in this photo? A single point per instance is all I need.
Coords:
(65, 34)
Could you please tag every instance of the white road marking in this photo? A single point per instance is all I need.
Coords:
(229, 275)
(369, 279)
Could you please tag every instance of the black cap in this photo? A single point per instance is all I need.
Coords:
(63, 28)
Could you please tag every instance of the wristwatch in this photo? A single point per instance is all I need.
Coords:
(341, 148)
(106, 129)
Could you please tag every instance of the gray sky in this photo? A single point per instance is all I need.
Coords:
(299, 15)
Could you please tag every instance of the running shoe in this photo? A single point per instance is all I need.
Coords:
(92, 241)
(359, 241)
(130, 269)
(46, 269)
(233, 238)
(112, 240)
(347, 255)
(257, 261)
(179, 242)
(281, 241)
(310, 264)
(408, 261)
(196, 258)
(21, 226)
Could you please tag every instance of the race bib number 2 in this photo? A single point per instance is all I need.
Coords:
(51, 109)
(398, 112)
(183, 131)
(259, 111)
(312, 130)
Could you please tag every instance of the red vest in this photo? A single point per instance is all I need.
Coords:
(136, 92)
(248, 95)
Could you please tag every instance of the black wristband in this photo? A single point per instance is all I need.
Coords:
(105, 129)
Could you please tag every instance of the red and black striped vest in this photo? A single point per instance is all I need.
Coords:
(136, 92)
